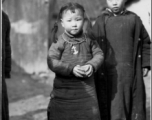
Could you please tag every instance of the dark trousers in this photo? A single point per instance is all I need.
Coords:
(5, 108)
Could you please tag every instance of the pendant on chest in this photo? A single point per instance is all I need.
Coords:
(74, 50)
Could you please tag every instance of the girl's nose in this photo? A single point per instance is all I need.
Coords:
(74, 24)
(114, 2)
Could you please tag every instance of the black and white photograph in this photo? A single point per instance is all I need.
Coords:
(75, 60)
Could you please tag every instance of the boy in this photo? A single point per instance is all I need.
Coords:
(126, 45)
(74, 58)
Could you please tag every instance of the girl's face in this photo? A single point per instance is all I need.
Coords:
(72, 21)
(116, 5)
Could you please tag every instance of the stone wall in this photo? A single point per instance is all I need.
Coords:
(29, 29)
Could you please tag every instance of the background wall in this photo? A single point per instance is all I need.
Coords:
(29, 28)
(31, 22)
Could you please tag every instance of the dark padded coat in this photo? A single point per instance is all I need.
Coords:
(73, 98)
(141, 58)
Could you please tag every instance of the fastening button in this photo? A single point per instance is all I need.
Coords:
(139, 56)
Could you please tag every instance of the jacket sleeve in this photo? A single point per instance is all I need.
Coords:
(7, 51)
(54, 59)
(145, 47)
(94, 31)
(98, 55)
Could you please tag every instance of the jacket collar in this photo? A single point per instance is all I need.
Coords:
(113, 14)
(74, 39)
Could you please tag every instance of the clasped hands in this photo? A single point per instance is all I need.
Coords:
(83, 71)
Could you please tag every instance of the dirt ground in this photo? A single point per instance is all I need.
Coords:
(29, 96)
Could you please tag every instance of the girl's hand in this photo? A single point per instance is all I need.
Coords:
(88, 70)
(78, 71)
(145, 72)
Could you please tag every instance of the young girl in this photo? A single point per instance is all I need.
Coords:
(126, 45)
(74, 58)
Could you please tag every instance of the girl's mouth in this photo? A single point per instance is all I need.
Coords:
(115, 9)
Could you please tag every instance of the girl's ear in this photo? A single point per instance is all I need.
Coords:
(62, 23)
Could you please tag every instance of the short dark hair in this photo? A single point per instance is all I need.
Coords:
(71, 6)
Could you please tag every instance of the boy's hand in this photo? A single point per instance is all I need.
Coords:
(145, 72)
(78, 72)
(88, 70)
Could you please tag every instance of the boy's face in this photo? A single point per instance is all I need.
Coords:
(72, 21)
(116, 5)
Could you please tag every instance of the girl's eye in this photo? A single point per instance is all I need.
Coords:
(78, 19)
(69, 20)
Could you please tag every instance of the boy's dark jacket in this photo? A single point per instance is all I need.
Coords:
(141, 57)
